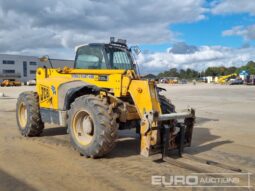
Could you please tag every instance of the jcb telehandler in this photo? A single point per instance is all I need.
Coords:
(100, 95)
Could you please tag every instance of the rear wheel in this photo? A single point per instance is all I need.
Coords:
(92, 125)
(28, 114)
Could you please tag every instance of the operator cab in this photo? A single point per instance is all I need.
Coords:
(114, 55)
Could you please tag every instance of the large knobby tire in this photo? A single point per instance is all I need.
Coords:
(92, 125)
(166, 105)
(28, 114)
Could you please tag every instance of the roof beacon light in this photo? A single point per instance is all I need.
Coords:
(112, 39)
(122, 41)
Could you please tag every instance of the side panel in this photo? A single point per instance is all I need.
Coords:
(48, 91)
(54, 116)
(145, 96)
(49, 82)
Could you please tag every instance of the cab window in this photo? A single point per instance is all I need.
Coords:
(119, 58)
(90, 57)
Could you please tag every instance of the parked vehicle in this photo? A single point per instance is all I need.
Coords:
(235, 81)
(227, 78)
(31, 83)
(7, 83)
(183, 81)
(250, 80)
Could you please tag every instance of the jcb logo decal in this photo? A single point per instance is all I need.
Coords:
(44, 94)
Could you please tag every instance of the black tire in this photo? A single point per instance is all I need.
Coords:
(102, 131)
(28, 114)
(166, 105)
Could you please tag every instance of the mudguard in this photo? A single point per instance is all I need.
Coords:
(67, 92)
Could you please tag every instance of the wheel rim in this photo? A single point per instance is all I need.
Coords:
(22, 115)
(83, 127)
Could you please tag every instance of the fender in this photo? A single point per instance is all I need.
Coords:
(67, 92)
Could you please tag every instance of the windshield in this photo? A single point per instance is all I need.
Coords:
(119, 58)
(103, 57)
(90, 57)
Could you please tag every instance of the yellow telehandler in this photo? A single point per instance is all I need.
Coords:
(226, 78)
(100, 95)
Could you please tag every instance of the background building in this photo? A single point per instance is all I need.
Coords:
(23, 68)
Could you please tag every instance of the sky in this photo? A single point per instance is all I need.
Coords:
(182, 34)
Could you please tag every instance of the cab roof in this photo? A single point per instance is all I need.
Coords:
(114, 44)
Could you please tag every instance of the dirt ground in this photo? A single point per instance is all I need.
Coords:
(224, 132)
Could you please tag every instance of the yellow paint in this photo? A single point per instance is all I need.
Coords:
(145, 96)
(121, 83)
(55, 77)
(224, 79)
(146, 99)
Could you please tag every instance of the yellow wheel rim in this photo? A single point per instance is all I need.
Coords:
(83, 128)
(22, 114)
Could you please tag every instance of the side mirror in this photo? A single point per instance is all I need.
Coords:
(136, 49)
(44, 59)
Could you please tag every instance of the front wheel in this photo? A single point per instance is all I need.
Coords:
(166, 105)
(92, 125)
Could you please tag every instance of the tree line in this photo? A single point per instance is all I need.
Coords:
(210, 71)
